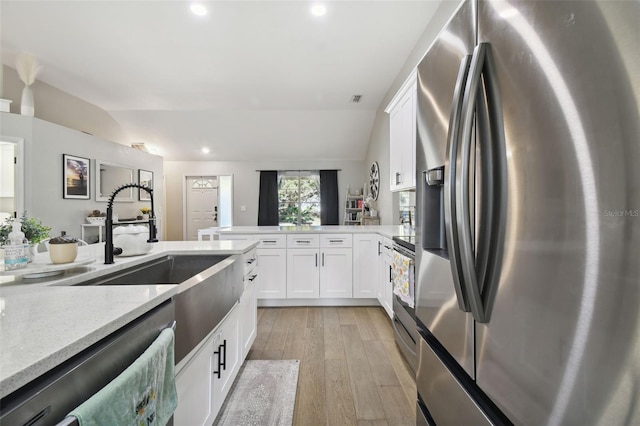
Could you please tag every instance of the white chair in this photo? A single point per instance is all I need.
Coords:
(210, 232)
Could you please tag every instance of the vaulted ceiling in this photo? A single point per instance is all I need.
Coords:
(249, 80)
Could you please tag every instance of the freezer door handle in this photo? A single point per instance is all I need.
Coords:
(481, 263)
(451, 228)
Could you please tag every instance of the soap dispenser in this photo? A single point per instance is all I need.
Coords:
(15, 255)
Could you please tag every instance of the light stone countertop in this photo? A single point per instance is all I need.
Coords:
(44, 323)
(384, 230)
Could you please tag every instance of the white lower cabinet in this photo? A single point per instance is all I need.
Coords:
(226, 343)
(366, 249)
(194, 385)
(303, 273)
(385, 284)
(204, 382)
(249, 312)
(273, 273)
(336, 270)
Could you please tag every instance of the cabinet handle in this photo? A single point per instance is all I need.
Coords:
(224, 356)
(336, 241)
(379, 248)
(398, 180)
(389, 273)
(322, 259)
(250, 261)
(316, 260)
(269, 241)
(217, 372)
(253, 277)
(303, 241)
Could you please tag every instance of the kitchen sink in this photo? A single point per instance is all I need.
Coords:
(171, 269)
(208, 288)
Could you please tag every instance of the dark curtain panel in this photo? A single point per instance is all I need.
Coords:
(268, 201)
(329, 197)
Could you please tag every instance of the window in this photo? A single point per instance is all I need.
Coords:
(299, 198)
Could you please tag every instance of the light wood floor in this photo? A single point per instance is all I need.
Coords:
(351, 372)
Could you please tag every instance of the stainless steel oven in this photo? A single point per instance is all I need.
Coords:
(404, 316)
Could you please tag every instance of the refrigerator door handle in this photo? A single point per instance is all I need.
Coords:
(451, 227)
(481, 268)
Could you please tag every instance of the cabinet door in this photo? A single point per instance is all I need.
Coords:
(249, 312)
(227, 359)
(194, 385)
(365, 255)
(402, 140)
(273, 274)
(395, 148)
(385, 285)
(303, 274)
(336, 273)
(408, 144)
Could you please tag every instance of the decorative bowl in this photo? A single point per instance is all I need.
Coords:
(97, 220)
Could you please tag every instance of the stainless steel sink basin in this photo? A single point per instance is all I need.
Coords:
(209, 287)
(171, 269)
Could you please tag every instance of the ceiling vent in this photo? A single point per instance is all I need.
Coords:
(139, 147)
(355, 99)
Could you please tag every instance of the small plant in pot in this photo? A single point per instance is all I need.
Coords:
(145, 213)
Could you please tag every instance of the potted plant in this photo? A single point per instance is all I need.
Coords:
(33, 229)
(145, 212)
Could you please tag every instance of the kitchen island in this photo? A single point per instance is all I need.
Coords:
(47, 321)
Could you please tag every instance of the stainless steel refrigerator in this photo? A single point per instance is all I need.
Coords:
(528, 218)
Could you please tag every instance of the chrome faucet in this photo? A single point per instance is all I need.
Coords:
(109, 250)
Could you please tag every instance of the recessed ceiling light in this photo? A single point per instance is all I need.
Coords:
(198, 9)
(318, 9)
(205, 150)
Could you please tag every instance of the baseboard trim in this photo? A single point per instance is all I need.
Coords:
(271, 303)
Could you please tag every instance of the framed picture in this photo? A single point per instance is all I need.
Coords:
(76, 177)
(145, 178)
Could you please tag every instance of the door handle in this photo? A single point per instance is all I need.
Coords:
(450, 207)
(481, 266)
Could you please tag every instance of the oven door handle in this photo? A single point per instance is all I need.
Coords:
(404, 335)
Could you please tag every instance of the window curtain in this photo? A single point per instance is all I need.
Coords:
(329, 197)
(268, 201)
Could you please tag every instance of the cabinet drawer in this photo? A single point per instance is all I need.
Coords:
(245, 237)
(335, 240)
(272, 241)
(249, 261)
(303, 240)
(386, 248)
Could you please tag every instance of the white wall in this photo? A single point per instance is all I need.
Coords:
(379, 140)
(246, 182)
(44, 144)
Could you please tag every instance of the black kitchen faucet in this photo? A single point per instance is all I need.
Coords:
(108, 246)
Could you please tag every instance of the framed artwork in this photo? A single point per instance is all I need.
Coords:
(145, 178)
(76, 177)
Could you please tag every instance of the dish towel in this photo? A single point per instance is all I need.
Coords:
(144, 394)
(402, 277)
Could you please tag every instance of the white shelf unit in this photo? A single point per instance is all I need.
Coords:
(353, 209)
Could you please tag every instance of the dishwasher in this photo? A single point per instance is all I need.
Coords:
(48, 399)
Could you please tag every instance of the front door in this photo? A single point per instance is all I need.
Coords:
(202, 204)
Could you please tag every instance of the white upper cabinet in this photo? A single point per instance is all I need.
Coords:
(402, 136)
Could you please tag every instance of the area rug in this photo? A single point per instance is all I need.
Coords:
(264, 393)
